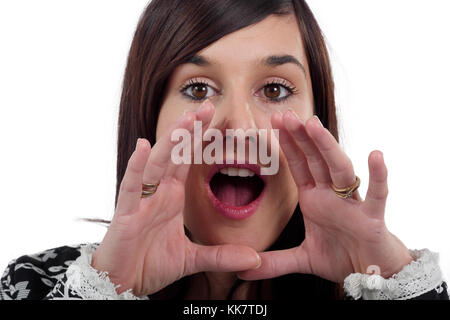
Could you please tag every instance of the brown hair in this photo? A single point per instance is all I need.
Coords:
(168, 34)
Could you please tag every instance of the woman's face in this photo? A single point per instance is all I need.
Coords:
(250, 74)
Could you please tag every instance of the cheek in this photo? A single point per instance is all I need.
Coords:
(283, 201)
(287, 193)
(161, 125)
(168, 114)
(196, 200)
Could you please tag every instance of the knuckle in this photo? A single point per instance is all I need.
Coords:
(378, 193)
(131, 168)
(191, 259)
(176, 182)
(272, 266)
(344, 167)
(219, 257)
(154, 167)
(128, 189)
(295, 161)
(386, 192)
(315, 160)
(326, 145)
(130, 161)
(379, 176)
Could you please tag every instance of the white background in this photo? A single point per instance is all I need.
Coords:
(61, 69)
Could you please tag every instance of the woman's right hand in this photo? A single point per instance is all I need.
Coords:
(145, 248)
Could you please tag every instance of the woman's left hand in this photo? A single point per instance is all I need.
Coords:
(342, 236)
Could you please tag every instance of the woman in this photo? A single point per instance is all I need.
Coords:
(209, 231)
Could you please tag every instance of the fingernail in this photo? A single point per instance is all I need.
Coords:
(137, 144)
(318, 120)
(295, 114)
(259, 264)
(279, 113)
(202, 106)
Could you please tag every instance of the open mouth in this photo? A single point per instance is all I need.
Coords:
(236, 190)
(236, 186)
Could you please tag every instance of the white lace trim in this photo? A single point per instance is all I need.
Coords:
(89, 284)
(423, 274)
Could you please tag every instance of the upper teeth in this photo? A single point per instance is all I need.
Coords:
(241, 172)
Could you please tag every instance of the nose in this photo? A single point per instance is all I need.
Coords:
(235, 118)
(234, 112)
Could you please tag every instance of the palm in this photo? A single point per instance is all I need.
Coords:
(148, 244)
(330, 227)
(162, 241)
(342, 236)
(145, 248)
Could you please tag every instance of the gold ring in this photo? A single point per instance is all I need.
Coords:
(346, 192)
(149, 189)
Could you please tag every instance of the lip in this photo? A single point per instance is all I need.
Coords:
(233, 212)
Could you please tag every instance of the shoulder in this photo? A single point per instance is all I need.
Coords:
(34, 276)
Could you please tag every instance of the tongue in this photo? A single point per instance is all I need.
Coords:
(235, 191)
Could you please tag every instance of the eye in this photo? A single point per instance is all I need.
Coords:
(278, 90)
(274, 91)
(197, 90)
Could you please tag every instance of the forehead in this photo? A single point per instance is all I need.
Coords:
(273, 35)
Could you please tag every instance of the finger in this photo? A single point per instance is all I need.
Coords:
(131, 185)
(294, 156)
(278, 263)
(339, 164)
(316, 163)
(221, 258)
(356, 196)
(377, 191)
(204, 115)
(160, 158)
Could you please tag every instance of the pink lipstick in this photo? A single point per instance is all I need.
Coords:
(236, 190)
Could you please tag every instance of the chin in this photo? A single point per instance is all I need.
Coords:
(208, 227)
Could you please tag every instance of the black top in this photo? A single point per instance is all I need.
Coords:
(42, 277)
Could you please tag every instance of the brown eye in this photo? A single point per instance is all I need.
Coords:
(277, 92)
(272, 91)
(199, 91)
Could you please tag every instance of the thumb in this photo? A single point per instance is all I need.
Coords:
(278, 263)
(221, 258)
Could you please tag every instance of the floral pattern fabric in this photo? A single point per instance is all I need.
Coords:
(43, 276)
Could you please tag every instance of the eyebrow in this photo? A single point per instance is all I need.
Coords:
(270, 61)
